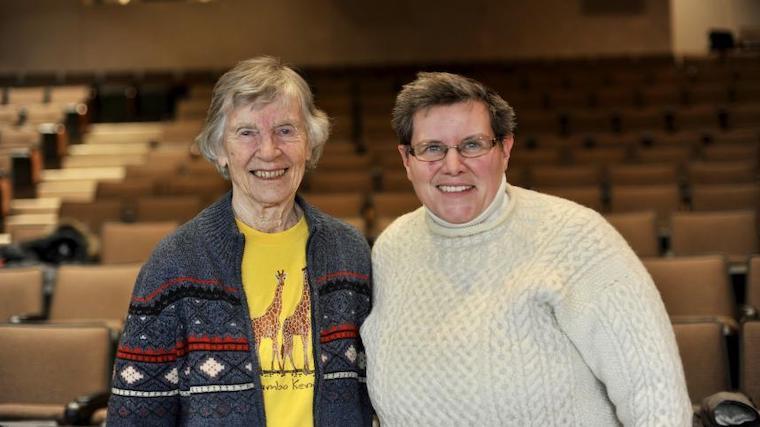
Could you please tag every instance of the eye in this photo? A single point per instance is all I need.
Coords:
(433, 148)
(286, 131)
(247, 132)
(471, 145)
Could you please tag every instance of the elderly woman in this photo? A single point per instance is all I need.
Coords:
(499, 306)
(249, 313)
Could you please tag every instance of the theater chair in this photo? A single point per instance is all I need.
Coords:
(44, 367)
(695, 288)
(131, 243)
(705, 358)
(20, 292)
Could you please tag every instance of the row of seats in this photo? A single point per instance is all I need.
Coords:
(86, 294)
(36, 354)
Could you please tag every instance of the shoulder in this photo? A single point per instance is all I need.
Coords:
(192, 248)
(550, 211)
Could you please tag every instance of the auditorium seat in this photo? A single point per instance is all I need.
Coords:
(93, 293)
(21, 291)
(131, 243)
(388, 206)
(735, 172)
(93, 214)
(179, 209)
(342, 205)
(126, 191)
(43, 367)
(344, 162)
(552, 176)
(663, 199)
(336, 182)
(730, 233)
(395, 180)
(705, 358)
(347, 206)
(643, 174)
(537, 156)
(677, 155)
(730, 152)
(695, 287)
(749, 363)
(639, 229)
(589, 196)
(721, 197)
(599, 156)
(752, 291)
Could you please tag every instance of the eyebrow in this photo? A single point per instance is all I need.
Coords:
(247, 125)
(438, 141)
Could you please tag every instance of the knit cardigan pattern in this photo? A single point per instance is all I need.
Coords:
(186, 356)
(539, 316)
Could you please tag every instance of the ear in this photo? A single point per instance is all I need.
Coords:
(506, 148)
(403, 150)
(221, 157)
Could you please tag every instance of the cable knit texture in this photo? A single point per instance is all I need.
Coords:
(187, 354)
(539, 316)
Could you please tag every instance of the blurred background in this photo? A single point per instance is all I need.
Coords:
(647, 111)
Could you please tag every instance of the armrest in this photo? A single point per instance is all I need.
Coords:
(748, 312)
(28, 318)
(79, 411)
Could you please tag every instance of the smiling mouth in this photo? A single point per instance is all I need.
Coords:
(268, 174)
(454, 188)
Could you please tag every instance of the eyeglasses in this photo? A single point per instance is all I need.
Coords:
(433, 151)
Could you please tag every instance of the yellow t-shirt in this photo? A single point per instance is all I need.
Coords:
(274, 279)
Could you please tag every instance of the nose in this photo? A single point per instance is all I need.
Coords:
(452, 162)
(268, 148)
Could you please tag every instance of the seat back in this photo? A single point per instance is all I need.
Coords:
(643, 174)
(704, 357)
(693, 286)
(732, 233)
(47, 364)
(753, 283)
(93, 292)
(721, 197)
(131, 243)
(749, 377)
(663, 199)
(587, 195)
(20, 291)
(94, 214)
(178, 209)
(339, 182)
(342, 205)
(639, 229)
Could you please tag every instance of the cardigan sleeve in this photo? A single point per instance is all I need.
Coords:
(613, 314)
(145, 383)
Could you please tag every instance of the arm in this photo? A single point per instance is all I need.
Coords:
(614, 315)
(145, 384)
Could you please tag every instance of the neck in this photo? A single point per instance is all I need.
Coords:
(267, 219)
(492, 216)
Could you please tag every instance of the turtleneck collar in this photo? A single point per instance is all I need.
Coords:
(493, 215)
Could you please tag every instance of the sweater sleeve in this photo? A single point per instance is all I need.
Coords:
(145, 384)
(613, 313)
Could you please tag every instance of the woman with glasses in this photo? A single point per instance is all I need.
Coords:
(249, 314)
(496, 305)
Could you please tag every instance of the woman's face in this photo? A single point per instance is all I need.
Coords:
(265, 147)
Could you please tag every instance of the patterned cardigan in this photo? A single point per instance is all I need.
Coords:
(186, 356)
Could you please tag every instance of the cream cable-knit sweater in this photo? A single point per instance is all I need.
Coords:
(541, 315)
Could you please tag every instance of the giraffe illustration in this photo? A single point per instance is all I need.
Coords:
(268, 324)
(298, 323)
